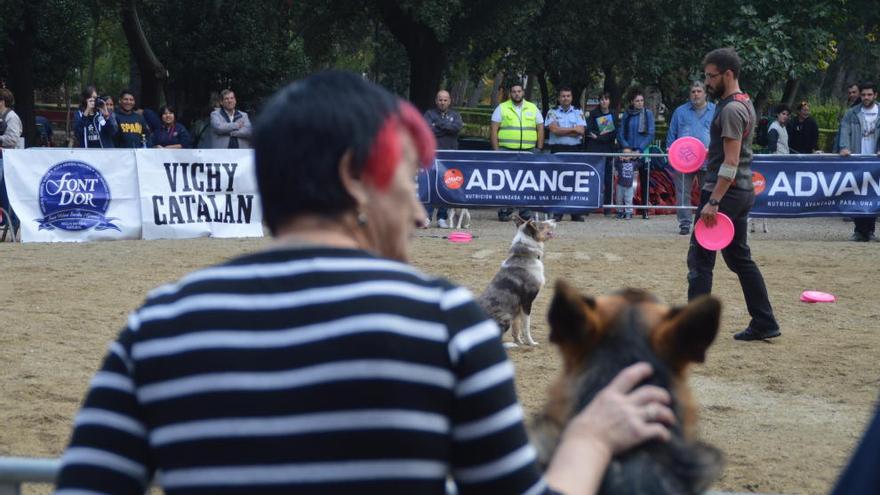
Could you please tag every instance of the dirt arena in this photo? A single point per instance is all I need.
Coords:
(787, 413)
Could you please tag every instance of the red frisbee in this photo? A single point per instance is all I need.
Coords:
(460, 237)
(814, 296)
(687, 154)
(719, 236)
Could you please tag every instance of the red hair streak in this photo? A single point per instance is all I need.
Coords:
(385, 152)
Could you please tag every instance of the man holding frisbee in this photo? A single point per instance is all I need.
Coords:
(728, 189)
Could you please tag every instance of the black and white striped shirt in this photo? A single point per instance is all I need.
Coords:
(303, 371)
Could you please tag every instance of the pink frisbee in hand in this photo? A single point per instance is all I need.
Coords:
(460, 237)
(814, 296)
(717, 237)
(687, 154)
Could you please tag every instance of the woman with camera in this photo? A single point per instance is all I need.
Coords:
(94, 125)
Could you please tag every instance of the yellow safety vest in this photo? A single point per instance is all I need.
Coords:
(518, 133)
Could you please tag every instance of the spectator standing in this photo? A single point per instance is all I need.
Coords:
(231, 128)
(94, 124)
(10, 138)
(853, 96)
(852, 100)
(516, 125)
(777, 133)
(446, 124)
(566, 127)
(601, 137)
(635, 134)
(693, 119)
(172, 134)
(133, 129)
(858, 136)
(803, 131)
(626, 171)
(729, 190)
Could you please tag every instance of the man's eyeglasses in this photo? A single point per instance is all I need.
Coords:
(709, 75)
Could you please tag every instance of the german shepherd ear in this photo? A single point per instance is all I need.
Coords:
(574, 324)
(686, 332)
(518, 220)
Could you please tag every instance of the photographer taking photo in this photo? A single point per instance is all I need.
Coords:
(94, 125)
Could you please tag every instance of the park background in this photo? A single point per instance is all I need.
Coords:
(179, 52)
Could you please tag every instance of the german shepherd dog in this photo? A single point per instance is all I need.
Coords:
(509, 296)
(599, 337)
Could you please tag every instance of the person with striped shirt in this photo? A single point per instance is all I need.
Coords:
(327, 364)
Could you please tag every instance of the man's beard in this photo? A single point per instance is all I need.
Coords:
(716, 91)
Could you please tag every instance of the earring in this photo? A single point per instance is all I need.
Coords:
(362, 219)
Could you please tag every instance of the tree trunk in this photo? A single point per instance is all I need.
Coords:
(427, 56)
(152, 73)
(790, 92)
(611, 85)
(21, 76)
(545, 92)
(93, 49)
(496, 89)
(477, 94)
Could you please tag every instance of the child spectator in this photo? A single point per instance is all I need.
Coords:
(625, 168)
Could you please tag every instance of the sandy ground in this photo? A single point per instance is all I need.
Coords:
(787, 413)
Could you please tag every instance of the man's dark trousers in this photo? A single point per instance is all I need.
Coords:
(736, 204)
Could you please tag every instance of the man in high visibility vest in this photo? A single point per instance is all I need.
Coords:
(517, 125)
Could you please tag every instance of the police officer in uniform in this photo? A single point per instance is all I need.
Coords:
(566, 126)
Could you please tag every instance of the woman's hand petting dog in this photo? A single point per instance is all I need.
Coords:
(618, 419)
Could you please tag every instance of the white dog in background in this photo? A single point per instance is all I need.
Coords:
(462, 213)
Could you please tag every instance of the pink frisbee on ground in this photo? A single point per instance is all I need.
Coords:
(687, 154)
(814, 296)
(460, 237)
(719, 236)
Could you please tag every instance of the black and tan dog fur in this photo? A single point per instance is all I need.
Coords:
(508, 298)
(597, 338)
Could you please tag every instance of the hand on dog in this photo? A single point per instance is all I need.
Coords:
(618, 419)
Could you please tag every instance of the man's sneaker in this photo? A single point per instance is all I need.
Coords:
(441, 222)
(577, 218)
(751, 334)
(858, 237)
(684, 230)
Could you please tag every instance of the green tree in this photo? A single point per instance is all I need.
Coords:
(40, 42)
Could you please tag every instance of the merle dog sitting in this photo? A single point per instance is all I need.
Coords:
(597, 338)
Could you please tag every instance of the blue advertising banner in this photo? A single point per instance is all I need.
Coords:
(818, 186)
(555, 183)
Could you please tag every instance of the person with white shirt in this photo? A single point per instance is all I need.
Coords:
(858, 136)
(777, 133)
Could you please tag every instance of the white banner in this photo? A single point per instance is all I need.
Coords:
(197, 193)
(86, 194)
(73, 195)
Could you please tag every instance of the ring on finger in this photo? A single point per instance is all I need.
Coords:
(650, 413)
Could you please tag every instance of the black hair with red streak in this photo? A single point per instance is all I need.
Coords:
(309, 125)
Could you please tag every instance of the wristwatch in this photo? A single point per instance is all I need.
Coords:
(714, 202)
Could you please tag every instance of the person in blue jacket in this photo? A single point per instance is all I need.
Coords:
(636, 132)
(171, 134)
(94, 125)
